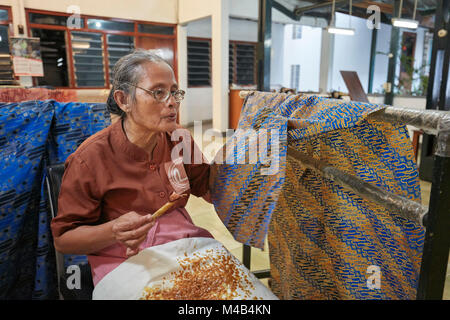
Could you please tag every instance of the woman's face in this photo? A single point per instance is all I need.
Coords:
(148, 113)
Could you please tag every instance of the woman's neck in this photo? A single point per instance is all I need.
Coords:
(140, 136)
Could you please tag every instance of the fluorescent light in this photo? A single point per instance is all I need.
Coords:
(343, 31)
(98, 24)
(405, 23)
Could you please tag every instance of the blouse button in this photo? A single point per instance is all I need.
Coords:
(162, 194)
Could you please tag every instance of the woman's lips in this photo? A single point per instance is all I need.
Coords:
(171, 117)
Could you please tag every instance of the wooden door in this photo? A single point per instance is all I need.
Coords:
(165, 47)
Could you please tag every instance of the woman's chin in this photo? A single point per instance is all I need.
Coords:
(169, 126)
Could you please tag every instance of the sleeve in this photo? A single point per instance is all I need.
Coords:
(79, 199)
(198, 171)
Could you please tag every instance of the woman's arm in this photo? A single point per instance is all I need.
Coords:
(129, 229)
(85, 239)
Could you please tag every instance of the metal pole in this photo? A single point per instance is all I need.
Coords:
(373, 54)
(404, 207)
(393, 55)
(264, 44)
(427, 120)
(438, 91)
(246, 256)
(263, 64)
(437, 238)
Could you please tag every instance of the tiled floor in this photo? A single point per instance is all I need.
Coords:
(204, 215)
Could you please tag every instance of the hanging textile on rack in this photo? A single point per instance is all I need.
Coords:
(325, 242)
(245, 192)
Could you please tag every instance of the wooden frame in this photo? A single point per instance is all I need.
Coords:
(9, 21)
(68, 32)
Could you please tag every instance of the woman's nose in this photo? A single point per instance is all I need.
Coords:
(171, 102)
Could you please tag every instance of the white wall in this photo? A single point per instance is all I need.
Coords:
(306, 53)
(351, 53)
(218, 11)
(240, 30)
(277, 56)
(198, 101)
(381, 58)
(190, 10)
(197, 104)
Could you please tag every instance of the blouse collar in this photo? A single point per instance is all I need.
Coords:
(132, 150)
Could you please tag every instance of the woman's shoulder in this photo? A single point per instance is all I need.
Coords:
(95, 146)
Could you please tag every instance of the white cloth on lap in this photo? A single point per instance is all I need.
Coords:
(190, 268)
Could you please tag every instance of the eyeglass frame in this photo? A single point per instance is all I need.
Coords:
(152, 93)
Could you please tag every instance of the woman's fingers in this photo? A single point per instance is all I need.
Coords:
(135, 243)
(131, 221)
(131, 252)
(134, 233)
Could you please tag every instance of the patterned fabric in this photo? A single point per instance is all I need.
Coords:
(323, 239)
(244, 197)
(35, 134)
(27, 94)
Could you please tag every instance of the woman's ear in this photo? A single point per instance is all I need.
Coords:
(122, 100)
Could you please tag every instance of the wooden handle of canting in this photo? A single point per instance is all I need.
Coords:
(163, 209)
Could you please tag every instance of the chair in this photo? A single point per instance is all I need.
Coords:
(53, 180)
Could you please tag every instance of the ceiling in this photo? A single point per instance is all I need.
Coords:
(322, 9)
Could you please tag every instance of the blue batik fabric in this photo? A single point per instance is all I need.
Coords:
(35, 134)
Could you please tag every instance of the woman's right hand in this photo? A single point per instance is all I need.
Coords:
(131, 229)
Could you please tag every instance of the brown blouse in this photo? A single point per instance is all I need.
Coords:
(108, 176)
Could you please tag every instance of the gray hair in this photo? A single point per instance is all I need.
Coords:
(127, 72)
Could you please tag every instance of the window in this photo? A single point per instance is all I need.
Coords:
(199, 62)
(149, 28)
(118, 46)
(242, 63)
(296, 31)
(57, 20)
(241, 68)
(295, 76)
(110, 25)
(88, 63)
(93, 49)
(4, 39)
(54, 57)
(4, 15)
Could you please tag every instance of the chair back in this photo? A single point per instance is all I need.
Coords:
(53, 180)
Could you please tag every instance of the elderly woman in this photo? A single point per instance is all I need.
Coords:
(116, 179)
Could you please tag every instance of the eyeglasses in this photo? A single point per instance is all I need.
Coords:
(162, 95)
